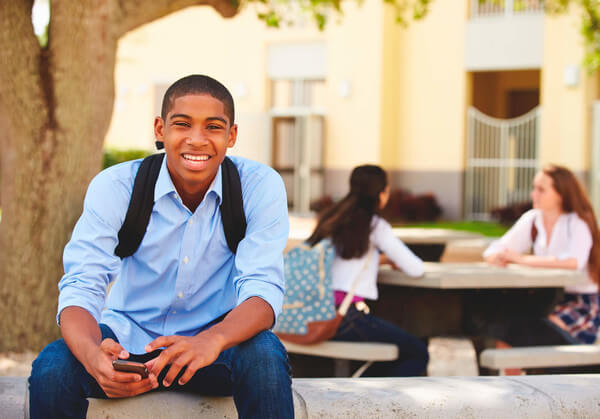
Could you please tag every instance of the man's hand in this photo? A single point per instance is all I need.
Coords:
(116, 383)
(82, 335)
(193, 352)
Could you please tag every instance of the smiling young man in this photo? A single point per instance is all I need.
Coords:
(195, 313)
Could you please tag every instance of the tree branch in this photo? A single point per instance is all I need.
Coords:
(129, 14)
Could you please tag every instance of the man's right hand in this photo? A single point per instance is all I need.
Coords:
(116, 383)
(83, 337)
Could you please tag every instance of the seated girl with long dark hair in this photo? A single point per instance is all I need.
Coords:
(562, 229)
(362, 240)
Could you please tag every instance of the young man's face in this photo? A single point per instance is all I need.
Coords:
(196, 134)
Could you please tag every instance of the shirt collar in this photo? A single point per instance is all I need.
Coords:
(165, 186)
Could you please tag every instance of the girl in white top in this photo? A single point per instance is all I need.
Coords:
(362, 241)
(563, 231)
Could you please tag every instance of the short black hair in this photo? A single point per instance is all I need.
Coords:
(198, 84)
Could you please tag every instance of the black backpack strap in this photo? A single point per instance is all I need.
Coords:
(232, 205)
(140, 206)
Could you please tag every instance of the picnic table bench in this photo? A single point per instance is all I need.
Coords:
(540, 357)
(343, 352)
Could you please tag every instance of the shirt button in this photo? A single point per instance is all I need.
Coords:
(174, 312)
(191, 221)
(186, 260)
(180, 295)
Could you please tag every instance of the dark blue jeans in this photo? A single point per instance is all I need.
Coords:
(256, 373)
(413, 356)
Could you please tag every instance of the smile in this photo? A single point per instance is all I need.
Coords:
(194, 157)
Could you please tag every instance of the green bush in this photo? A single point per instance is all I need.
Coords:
(113, 156)
(489, 229)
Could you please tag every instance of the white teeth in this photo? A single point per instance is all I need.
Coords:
(193, 157)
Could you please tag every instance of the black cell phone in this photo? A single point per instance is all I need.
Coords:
(130, 366)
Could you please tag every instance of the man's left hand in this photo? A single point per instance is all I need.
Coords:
(193, 352)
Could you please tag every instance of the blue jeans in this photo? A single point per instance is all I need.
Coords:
(256, 373)
(413, 356)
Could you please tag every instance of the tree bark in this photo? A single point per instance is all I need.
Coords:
(55, 108)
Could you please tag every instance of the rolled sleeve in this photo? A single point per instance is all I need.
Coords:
(259, 259)
(271, 293)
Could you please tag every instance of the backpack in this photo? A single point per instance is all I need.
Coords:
(308, 301)
(142, 200)
(309, 314)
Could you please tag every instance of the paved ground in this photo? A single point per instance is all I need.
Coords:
(16, 364)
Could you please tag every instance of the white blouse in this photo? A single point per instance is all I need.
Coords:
(345, 271)
(571, 238)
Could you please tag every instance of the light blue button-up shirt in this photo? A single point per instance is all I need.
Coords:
(183, 276)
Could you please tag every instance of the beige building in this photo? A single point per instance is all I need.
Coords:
(466, 103)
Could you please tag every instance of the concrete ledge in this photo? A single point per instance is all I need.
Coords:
(539, 396)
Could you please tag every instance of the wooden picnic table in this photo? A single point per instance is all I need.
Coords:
(464, 298)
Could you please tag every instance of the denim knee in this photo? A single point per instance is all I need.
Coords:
(263, 357)
(57, 385)
(262, 386)
(55, 367)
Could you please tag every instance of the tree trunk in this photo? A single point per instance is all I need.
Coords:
(55, 107)
(57, 114)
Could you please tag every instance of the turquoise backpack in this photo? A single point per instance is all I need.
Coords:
(308, 291)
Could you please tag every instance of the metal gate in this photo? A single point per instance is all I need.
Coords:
(595, 163)
(502, 159)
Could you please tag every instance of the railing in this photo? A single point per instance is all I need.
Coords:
(502, 159)
(484, 8)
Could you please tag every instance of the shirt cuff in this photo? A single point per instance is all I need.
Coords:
(271, 293)
(69, 298)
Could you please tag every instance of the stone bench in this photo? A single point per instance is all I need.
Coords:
(540, 357)
(536, 396)
(343, 352)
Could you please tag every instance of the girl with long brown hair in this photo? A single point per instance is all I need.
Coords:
(362, 240)
(562, 229)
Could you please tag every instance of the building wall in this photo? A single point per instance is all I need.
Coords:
(431, 86)
(566, 110)
(423, 143)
